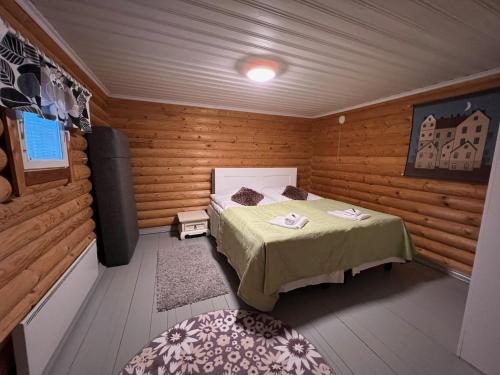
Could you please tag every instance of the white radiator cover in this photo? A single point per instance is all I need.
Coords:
(38, 336)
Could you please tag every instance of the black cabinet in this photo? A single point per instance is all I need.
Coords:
(114, 204)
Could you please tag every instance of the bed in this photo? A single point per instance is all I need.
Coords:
(270, 260)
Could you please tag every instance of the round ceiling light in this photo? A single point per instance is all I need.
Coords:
(261, 68)
(261, 73)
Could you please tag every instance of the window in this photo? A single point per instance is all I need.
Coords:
(438, 135)
(443, 155)
(464, 130)
(476, 140)
(425, 126)
(39, 149)
(467, 155)
(476, 117)
(478, 128)
(455, 155)
(462, 141)
(449, 135)
(43, 143)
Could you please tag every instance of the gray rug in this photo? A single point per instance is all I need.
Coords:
(186, 274)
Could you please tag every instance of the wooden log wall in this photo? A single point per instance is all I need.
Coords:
(363, 161)
(43, 232)
(174, 148)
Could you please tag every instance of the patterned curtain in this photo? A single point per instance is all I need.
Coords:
(30, 82)
(61, 97)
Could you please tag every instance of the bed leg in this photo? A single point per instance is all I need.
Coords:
(388, 266)
(347, 275)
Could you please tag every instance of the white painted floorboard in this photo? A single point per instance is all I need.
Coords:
(406, 321)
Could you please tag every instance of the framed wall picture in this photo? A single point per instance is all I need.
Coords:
(454, 139)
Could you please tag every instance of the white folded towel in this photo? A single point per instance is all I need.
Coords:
(350, 215)
(280, 221)
(352, 212)
(292, 218)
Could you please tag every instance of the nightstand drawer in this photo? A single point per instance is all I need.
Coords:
(195, 226)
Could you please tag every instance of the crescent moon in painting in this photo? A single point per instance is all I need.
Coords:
(469, 105)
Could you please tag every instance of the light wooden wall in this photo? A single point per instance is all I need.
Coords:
(42, 233)
(174, 149)
(363, 161)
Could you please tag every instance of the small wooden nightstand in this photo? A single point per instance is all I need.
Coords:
(192, 223)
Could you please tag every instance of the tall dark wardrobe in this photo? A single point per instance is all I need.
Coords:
(114, 204)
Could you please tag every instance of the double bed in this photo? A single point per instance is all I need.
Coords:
(270, 260)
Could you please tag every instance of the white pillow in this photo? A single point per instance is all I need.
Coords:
(275, 194)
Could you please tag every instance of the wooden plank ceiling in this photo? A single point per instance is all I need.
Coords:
(339, 53)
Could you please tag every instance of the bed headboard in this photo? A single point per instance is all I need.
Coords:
(228, 180)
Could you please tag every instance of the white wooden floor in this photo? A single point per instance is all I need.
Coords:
(406, 321)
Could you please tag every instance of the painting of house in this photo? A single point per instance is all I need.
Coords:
(427, 156)
(463, 157)
(455, 132)
(444, 157)
(455, 138)
(445, 130)
(427, 130)
(473, 129)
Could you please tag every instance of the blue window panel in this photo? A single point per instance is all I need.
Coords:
(43, 138)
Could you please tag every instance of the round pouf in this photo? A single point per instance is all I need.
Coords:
(229, 342)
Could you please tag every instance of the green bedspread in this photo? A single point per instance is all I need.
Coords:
(267, 256)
